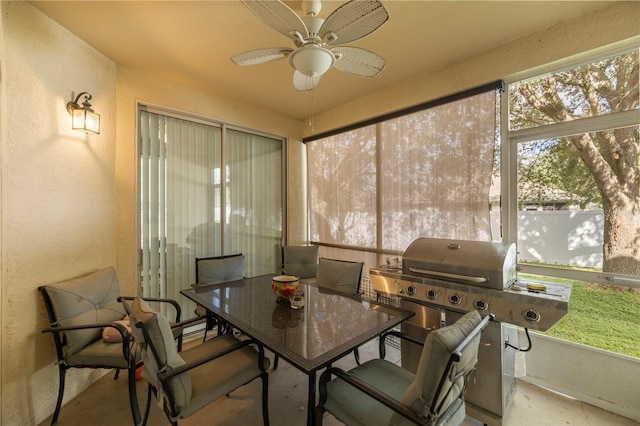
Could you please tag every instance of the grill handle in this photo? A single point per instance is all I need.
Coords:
(447, 275)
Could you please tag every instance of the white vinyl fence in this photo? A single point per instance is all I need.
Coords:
(561, 237)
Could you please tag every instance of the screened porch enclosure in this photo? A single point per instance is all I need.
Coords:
(423, 173)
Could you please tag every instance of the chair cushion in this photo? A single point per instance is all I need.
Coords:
(301, 261)
(89, 299)
(162, 339)
(434, 358)
(220, 269)
(98, 354)
(353, 407)
(217, 378)
(339, 275)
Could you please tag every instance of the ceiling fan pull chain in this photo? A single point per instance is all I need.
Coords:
(311, 111)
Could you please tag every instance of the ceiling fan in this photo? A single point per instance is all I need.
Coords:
(318, 41)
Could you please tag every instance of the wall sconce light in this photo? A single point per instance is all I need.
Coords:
(82, 117)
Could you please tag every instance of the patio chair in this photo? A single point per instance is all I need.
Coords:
(186, 382)
(339, 275)
(300, 261)
(82, 312)
(215, 270)
(383, 393)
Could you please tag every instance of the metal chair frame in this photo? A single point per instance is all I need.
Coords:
(60, 341)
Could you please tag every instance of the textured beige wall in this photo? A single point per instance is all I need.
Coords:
(134, 87)
(58, 196)
(68, 199)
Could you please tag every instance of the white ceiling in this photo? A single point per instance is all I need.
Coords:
(190, 42)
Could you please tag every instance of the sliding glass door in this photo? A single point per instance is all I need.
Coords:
(205, 190)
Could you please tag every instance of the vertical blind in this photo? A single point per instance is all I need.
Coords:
(255, 200)
(197, 202)
(424, 174)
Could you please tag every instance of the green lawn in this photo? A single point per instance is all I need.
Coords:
(605, 317)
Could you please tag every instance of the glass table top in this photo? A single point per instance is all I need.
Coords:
(329, 325)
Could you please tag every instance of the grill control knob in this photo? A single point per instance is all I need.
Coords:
(455, 299)
(481, 305)
(531, 315)
(411, 290)
(431, 294)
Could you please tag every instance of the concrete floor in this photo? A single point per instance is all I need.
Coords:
(105, 403)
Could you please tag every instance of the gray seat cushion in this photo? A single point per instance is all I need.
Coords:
(217, 378)
(98, 353)
(162, 339)
(90, 299)
(339, 275)
(353, 407)
(433, 360)
(220, 269)
(301, 261)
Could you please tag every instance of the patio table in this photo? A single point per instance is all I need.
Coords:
(329, 326)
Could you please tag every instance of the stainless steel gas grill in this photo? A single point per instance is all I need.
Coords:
(442, 279)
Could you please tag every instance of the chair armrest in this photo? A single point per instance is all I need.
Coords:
(400, 335)
(82, 327)
(188, 322)
(214, 355)
(366, 388)
(126, 336)
(172, 302)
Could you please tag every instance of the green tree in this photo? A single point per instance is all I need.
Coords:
(550, 170)
(606, 161)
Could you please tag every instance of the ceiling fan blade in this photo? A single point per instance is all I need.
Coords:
(353, 20)
(303, 82)
(261, 56)
(357, 61)
(278, 16)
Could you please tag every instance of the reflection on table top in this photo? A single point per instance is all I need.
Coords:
(330, 324)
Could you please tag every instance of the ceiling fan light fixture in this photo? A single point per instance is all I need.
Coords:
(316, 39)
(312, 60)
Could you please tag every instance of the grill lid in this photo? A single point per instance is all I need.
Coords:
(480, 263)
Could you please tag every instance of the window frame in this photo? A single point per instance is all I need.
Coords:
(510, 141)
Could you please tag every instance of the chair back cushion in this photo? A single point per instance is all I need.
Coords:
(301, 261)
(436, 352)
(159, 351)
(90, 299)
(339, 275)
(220, 269)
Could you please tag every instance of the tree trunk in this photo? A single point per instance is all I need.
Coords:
(622, 237)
